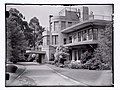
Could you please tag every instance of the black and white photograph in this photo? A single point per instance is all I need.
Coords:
(59, 45)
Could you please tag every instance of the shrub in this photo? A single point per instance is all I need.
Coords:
(105, 66)
(94, 64)
(75, 65)
(61, 55)
(66, 63)
(85, 57)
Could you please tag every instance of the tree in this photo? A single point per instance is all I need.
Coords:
(37, 31)
(16, 43)
(28, 32)
(61, 54)
(105, 47)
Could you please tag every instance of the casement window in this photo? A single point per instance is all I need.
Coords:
(56, 26)
(54, 39)
(84, 35)
(63, 25)
(95, 34)
(90, 34)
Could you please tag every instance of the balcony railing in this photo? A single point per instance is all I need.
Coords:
(100, 17)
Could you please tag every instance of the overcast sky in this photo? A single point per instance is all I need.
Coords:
(42, 12)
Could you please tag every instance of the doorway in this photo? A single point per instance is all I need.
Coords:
(75, 55)
(39, 58)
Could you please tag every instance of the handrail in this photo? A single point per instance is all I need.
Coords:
(101, 17)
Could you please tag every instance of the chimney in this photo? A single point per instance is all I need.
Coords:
(85, 13)
(79, 13)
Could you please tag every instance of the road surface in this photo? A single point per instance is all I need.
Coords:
(43, 75)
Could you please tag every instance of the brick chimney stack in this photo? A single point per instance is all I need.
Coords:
(85, 13)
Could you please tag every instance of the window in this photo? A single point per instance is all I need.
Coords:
(70, 39)
(56, 25)
(95, 34)
(54, 39)
(74, 36)
(63, 25)
(79, 36)
(69, 24)
(84, 35)
(65, 40)
(90, 34)
(48, 40)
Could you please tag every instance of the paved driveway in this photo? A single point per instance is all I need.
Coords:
(42, 75)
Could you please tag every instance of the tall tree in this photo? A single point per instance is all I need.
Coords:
(37, 31)
(16, 43)
(106, 44)
(28, 32)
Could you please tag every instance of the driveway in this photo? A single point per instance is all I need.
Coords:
(42, 75)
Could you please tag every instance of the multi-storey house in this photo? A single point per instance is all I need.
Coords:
(75, 28)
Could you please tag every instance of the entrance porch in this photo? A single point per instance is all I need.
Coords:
(76, 51)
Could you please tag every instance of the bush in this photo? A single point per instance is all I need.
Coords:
(75, 65)
(105, 66)
(66, 63)
(61, 55)
(94, 64)
(85, 57)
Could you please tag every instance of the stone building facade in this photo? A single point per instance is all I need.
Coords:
(75, 28)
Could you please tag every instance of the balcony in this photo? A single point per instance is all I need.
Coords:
(94, 20)
(100, 17)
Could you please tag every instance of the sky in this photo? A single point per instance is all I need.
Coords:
(42, 12)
